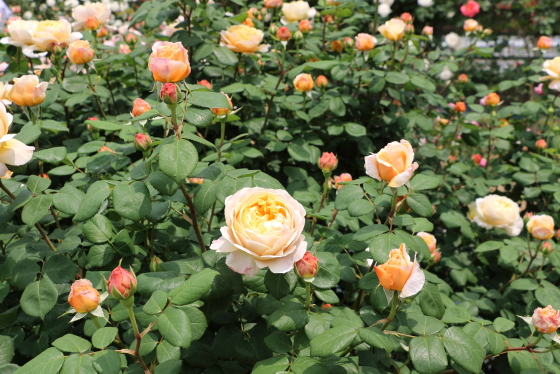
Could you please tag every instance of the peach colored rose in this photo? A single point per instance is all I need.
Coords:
(544, 42)
(322, 81)
(344, 177)
(552, 68)
(243, 39)
(27, 91)
(546, 320)
(541, 226)
(50, 33)
(140, 106)
(83, 297)
(400, 274)
(296, 11)
(393, 29)
(496, 211)
(328, 162)
(169, 62)
(79, 52)
(305, 25)
(393, 164)
(541, 144)
(90, 16)
(307, 267)
(20, 33)
(470, 25)
(263, 228)
(492, 99)
(429, 239)
(365, 42)
(122, 283)
(304, 82)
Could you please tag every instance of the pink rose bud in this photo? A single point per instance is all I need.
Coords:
(122, 284)
(483, 162)
(538, 89)
(205, 83)
(344, 177)
(328, 162)
(470, 9)
(483, 101)
(547, 248)
(436, 256)
(476, 159)
(170, 94)
(463, 78)
(527, 216)
(307, 267)
(406, 17)
(348, 42)
(428, 30)
(544, 42)
(283, 34)
(546, 320)
(142, 142)
(540, 144)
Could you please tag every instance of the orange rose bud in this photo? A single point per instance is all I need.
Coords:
(546, 248)
(460, 107)
(122, 284)
(470, 25)
(83, 297)
(476, 158)
(140, 106)
(131, 38)
(541, 227)
(344, 177)
(406, 17)
(223, 111)
(328, 18)
(428, 31)
(546, 320)
(249, 22)
(305, 25)
(436, 256)
(307, 267)
(304, 82)
(365, 42)
(336, 46)
(328, 162)
(102, 32)
(273, 3)
(92, 23)
(142, 142)
(540, 144)
(544, 42)
(492, 99)
(283, 34)
(322, 81)
(79, 52)
(170, 94)
(463, 78)
(429, 239)
(394, 274)
(205, 83)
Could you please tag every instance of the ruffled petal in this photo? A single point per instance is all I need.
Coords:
(403, 178)
(242, 263)
(415, 283)
(371, 166)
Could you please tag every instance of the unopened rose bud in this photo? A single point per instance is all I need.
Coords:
(436, 256)
(304, 82)
(344, 177)
(305, 26)
(273, 3)
(336, 46)
(443, 121)
(196, 180)
(470, 25)
(492, 99)
(460, 107)
(205, 83)
(487, 32)
(83, 297)
(249, 22)
(102, 32)
(451, 159)
(142, 142)
(527, 217)
(348, 42)
(170, 93)
(155, 264)
(328, 18)
(79, 52)
(546, 320)
(463, 78)
(409, 28)
(429, 239)
(541, 227)
(476, 159)
(223, 111)
(139, 107)
(131, 38)
(92, 23)
(298, 35)
(406, 17)
(328, 162)
(544, 42)
(546, 248)
(273, 30)
(122, 284)
(307, 267)
(283, 34)
(483, 162)
(322, 81)
(428, 31)
(540, 144)
(539, 89)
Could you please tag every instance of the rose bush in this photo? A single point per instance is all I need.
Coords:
(279, 186)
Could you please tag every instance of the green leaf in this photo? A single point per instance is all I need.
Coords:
(431, 302)
(424, 182)
(376, 338)
(78, 364)
(271, 365)
(502, 324)
(35, 209)
(422, 325)
(193, 288)
(178, 159)
(396, 78)
(48, 362)
(104, 336)
(98, 229)
(68, 199)
(456, 314)
(60, 269)
(77, 99)
(308, 365)
(39, 298)
(199, 117)
(205, 197)
(175, 327)
(96, 194)
(419, 204)
(72, 343)
(278, 284)
(333, 340)
(423, 83)
(156, 303)
(132, 201)
(347, 195)
(358, 208)
(6, 349)
(489, 246)
(355, 129)
(463, 349)
(292, 316)
(428, 355)
(198, 321)
(329, 270)
(208, 99)
(225, 56)
(107, 362)
(278, 342)
(37, 184)
(162, 183)
(548, 294)
(169, 367)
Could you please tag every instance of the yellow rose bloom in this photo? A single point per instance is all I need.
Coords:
(393, 29)
(541, 227)
(496, 211)
(79, 52)
(27, 91)
(12, 151)
(393, 164)
(243, 39)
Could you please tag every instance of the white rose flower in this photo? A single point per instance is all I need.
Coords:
(296, 11)
(496, 211)
(388, 2)
(446, 74)
(425, 3)
(384, 10)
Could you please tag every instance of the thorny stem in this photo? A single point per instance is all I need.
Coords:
(55, 217)
(393, 209)
(393, 310)
(323, 197)
(222, 137)
(37, 226)
(307, 295)
(193, 217)
(92, 88)
(138, 337)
